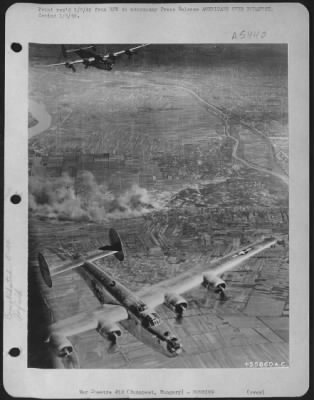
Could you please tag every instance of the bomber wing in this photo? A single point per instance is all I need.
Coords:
(155, 295)
(105, 318)
(70, 64)
(90, 56)
(128, 52)
(85, 321)
(67, 63)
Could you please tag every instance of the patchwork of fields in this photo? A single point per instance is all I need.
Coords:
(209, 137)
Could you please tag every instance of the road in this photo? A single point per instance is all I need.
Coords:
(225, 119)
(284, 178)
(39, 112)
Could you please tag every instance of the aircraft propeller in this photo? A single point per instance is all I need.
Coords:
(71, 66)
(179, 319)
(113, 347)
(223, 297)
(130, 53)
(112, 58)
(71, 361)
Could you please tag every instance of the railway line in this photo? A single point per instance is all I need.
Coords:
(225, 119)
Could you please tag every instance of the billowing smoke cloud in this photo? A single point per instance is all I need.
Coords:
(83, 199)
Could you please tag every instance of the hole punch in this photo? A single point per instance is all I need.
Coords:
(14, 352)
(16, 47)
(15, 199)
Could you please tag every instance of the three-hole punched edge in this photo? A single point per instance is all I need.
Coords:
(14, 352)
(16, 47)
(15, 199)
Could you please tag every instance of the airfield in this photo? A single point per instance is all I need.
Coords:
(207, 144)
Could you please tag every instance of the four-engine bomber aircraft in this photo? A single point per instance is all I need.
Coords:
(90, 58)
(135, 311)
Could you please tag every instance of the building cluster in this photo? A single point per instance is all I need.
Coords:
(150, 171)
(238, 191)
(175, 232)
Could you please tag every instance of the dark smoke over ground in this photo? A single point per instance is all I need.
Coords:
(83, 199)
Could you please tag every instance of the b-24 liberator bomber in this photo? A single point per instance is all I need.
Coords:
(134, 311)
(90, 57)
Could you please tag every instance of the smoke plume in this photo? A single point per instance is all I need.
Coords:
(83, 199)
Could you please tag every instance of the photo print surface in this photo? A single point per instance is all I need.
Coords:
(158, 205)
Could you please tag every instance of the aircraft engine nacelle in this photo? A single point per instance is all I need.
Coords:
(176, 303)
(86, 63)
(212, 281)
(61, 345)
(70, 66)
(129, 53)
(108, 66)
(109, 331)
(112, 58)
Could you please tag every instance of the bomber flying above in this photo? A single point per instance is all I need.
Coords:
(134, 311)
(91, 58)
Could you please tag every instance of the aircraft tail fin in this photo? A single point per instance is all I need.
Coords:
(44, 269)
(115, 244)
(114, 248)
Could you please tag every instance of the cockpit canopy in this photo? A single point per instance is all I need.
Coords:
(150, 318)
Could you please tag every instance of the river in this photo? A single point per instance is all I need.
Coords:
(40, 113)
(224, 118)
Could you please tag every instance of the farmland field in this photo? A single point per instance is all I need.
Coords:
(187, 148)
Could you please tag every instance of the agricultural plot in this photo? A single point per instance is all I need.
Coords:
(132, 117)
(197, 142)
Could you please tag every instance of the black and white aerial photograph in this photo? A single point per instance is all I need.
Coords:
(158, 210)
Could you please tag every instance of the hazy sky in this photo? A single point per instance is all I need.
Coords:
(199, 55)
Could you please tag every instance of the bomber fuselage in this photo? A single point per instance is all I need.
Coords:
(102, 283)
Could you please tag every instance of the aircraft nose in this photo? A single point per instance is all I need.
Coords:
(174, 347)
